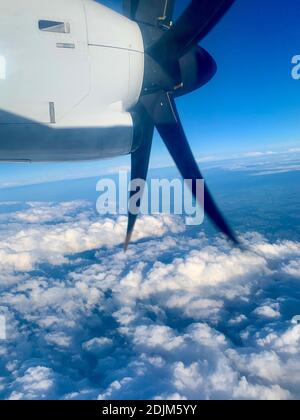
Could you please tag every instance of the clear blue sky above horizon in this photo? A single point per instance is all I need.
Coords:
(251, 105)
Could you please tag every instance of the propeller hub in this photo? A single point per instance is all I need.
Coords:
(191, 72)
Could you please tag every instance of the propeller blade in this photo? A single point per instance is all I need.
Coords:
(169, 126)
(195, 23)
(139, 171)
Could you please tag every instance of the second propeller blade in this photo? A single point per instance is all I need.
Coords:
(170, 129)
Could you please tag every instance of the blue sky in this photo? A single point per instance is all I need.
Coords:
(251, 105)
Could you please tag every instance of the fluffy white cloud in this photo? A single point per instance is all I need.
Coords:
(98, 345)
(156, 337)
(293, 269)
(287, 342)
(36, 382)
(266, 311)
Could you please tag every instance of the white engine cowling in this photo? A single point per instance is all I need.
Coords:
(69, 72)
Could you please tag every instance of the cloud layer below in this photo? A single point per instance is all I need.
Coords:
(177, 317)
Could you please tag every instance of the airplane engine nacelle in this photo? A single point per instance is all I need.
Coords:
(69, 72)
